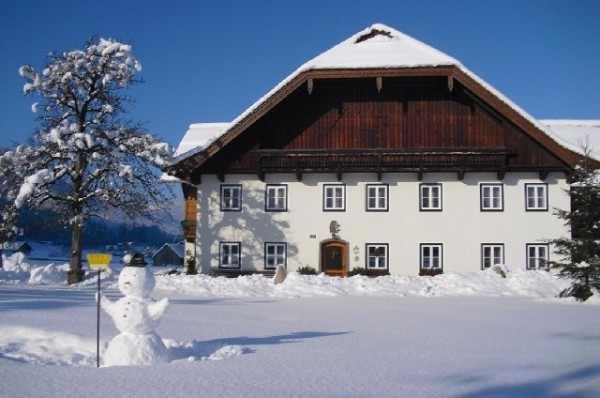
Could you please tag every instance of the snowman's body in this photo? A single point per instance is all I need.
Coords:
(135, 316)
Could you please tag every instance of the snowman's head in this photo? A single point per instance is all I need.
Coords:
(135, 279)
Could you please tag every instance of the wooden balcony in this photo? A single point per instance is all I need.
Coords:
(189, 229)
(381, 161)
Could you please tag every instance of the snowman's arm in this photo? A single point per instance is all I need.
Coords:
(107, 304)
(157, 309)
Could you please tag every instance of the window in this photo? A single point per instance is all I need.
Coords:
(377, 256)
(537, 256)
(229, 255)
(231, 197)
(491, 254)
(431, 257)
(276, 198)
(334, 197)
(492, 197)
(536, 197)
(430, 197)
(377, 197)
(275, 254)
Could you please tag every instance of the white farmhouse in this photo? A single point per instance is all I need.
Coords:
(381, 153)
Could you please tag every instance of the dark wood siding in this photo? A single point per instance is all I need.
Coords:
(408, 113)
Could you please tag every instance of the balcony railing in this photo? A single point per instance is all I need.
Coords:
(380, 161)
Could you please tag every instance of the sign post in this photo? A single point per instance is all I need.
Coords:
(99, 262)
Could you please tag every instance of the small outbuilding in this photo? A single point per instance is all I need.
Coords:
(21, 246)
(169, 254)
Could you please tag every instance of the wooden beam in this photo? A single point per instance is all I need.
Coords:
(450, 83)
(379, 83)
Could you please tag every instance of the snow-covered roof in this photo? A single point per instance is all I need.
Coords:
(379, 46)
(376, 47)
(16, 245)
(197, 137)
(176, 248)
(577, 134)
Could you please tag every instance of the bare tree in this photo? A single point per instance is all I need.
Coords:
(87, 158)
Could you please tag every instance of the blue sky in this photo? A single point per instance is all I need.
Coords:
(207, 61)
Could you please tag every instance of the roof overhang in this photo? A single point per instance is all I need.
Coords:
(480, 92)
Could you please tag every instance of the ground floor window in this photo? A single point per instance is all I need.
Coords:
(230, 254)
(431, 257)
(491, 254)
(537, 256)
(377, 256)
(275, 254)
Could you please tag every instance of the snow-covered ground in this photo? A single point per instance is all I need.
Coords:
(454, 335)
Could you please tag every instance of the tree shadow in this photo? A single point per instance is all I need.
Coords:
(43, 298)
(571, 384)
(207, 350)
(252, 226)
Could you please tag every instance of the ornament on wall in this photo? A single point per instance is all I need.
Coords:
(334, 228)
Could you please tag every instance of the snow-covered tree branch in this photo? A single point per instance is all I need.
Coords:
(87, 158)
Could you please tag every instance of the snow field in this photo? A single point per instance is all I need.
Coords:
(458, 335)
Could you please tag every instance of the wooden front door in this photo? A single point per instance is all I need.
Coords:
(334, 258)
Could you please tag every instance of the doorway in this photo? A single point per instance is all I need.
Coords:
(334, 257)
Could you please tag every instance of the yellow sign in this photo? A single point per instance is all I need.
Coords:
(99, 261)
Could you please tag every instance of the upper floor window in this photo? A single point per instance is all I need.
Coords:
(492, 197)
(231, 197)
(491, 254)
(377, 256)
(334, 197)
(430, 197)
(377, 197)
(275, 254)
(537, 256)
(536, 197)
(230, 254)
(276, 198)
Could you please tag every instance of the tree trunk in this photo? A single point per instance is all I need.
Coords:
(76, 272)
(1, 260)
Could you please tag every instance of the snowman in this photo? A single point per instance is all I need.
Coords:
(135, 316)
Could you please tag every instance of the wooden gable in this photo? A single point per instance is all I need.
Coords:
(417, 119)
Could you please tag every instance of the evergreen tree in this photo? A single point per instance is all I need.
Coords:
(86, 158)
(581, 253)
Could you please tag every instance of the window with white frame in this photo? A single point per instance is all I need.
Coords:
(431, 256)
(276, 197)
(231, 197)
(430, 197)
(491, 254)
(230, 254)
(537, 256)
(492, 197)
(275, 254)
(536, 197)
(377, 197)
(377, 256)
(334, 197)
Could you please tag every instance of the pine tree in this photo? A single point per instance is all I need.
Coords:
(581, 253)
(86, 159)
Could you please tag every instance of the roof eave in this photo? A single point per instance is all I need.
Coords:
(515, 115)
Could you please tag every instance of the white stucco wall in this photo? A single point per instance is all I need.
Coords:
(461, 227)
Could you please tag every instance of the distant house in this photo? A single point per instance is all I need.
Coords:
(381, 153)
(169, 254)
(10, 248)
